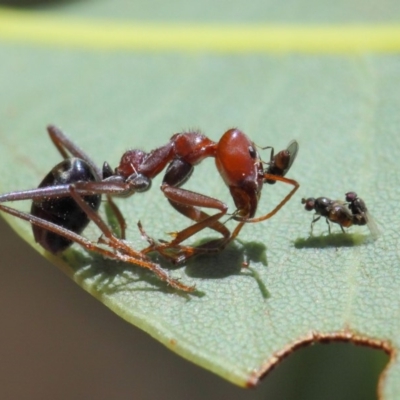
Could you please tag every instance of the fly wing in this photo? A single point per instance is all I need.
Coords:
(372, 225)
(293, 149)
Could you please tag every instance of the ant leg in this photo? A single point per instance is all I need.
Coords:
(63, 191)
(119, 245)
(60, 141)
(118, 214)
(280, 205)
(83, 188)
(64, 144)
(141, 261)
(217, 245)
(50, 226)
(186, 202)
(109, 238)
(175, 254)
(183, 253)
(270, 177)
(235, 233)
(220, 244)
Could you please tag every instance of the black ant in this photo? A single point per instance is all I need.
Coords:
(68, 199)
(351, 212)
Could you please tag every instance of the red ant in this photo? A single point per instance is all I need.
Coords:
(242, 170)
(345, 214)
(69, 196)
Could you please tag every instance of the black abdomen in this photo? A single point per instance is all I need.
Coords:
(63, 211)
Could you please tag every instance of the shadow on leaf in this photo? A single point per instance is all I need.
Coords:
(233, 260)
(332, 240)
(236, 259)
(105, 276)
(101, 275)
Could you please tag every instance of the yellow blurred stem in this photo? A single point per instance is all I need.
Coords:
(59, 31)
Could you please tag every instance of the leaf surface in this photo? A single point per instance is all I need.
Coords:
(342, 109)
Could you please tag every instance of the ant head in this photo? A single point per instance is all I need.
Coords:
(241, 169)
(309, 203)
(130, 163)
(139, 182)
(246, 197)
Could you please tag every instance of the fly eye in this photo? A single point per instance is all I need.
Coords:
(252, 152)
(351, 196)
(309, 203)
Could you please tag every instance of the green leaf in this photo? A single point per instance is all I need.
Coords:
(342, 109)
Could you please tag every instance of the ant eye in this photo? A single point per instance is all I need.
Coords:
(252, 151)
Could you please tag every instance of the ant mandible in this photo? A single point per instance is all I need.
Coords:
(68, 199)
(242, 170)
(351, 212)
